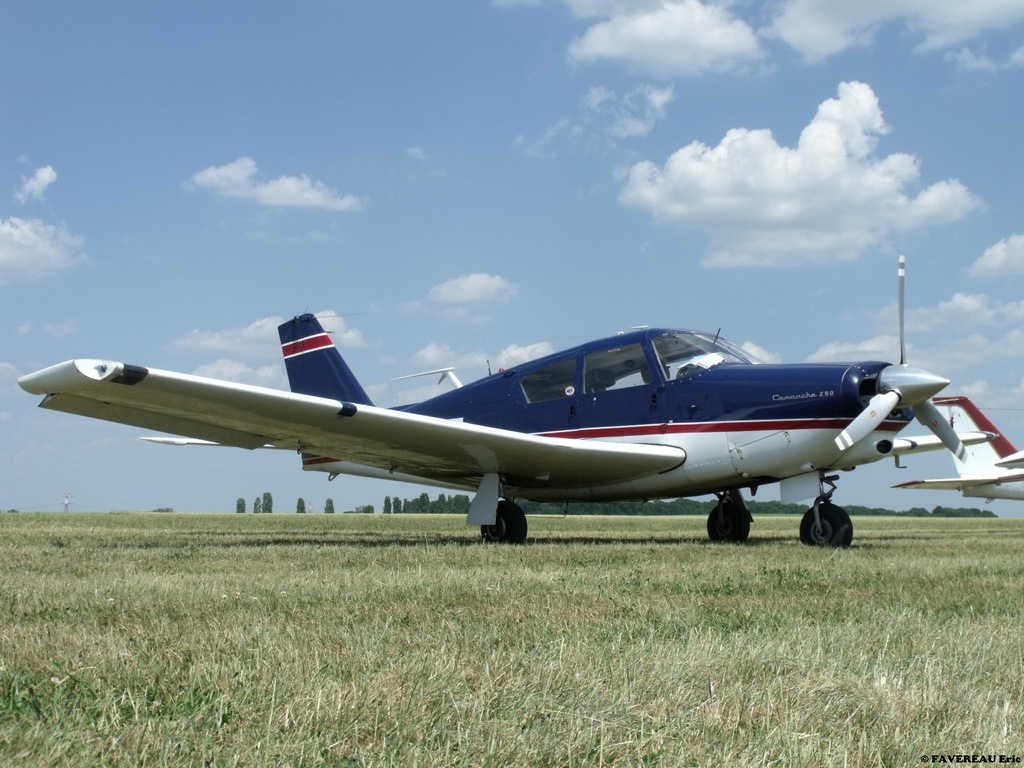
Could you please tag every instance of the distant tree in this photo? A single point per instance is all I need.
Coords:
(300, 506)
(240, 506)
(366, 509)
(396, 506)
(257, 506)
(329, 506)
(268, 503)
(387, 505)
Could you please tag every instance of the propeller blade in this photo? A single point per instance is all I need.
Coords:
(878, 409)
(928, 414)
(901, 280)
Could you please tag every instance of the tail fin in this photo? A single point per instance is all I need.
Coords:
(965, 416)
(314, 365)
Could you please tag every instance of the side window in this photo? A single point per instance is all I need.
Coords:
(616, 368)
(551, 382)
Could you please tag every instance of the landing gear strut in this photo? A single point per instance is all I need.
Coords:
(509, 524)
(826, 524)
(729, 519)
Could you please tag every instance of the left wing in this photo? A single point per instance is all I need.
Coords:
(255, 417)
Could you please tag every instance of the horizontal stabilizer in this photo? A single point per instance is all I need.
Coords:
(1013, 461)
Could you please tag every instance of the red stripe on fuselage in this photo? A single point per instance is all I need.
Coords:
(310, 460)
(308, 344)
(644, 430)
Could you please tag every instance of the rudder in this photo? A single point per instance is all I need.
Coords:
(965, 416)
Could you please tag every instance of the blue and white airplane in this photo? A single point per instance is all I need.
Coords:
(654, 413)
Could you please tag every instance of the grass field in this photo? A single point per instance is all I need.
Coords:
(223, 640)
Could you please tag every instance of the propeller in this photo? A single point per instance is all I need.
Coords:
(907, 386)
(928, 414)
(878, 409)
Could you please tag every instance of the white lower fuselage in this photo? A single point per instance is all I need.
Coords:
(719, 456)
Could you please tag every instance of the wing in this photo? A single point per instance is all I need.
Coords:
(255, 417)
(965, 483)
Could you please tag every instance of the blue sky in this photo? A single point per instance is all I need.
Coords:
(464, 182)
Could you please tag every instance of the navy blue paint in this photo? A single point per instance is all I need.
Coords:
(727, 392)
(321, 372)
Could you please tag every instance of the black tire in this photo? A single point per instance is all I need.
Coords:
(732, 525)
(509, 524)
(836, 527)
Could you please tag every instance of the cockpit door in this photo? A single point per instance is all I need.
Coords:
(619, 388)
(548, 398)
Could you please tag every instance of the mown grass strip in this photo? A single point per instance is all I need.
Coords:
(241, 640)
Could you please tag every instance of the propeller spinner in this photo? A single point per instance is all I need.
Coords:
(907, 386)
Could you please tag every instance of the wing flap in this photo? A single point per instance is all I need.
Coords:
(252, 417)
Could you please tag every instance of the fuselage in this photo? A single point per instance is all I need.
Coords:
(741, 423)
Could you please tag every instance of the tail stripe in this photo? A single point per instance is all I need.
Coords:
(314, 365)
(308, 344)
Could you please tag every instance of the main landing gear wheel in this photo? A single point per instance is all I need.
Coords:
(509, 524)
(728, 521)
(834, 530)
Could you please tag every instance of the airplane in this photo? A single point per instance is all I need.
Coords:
(991, 470)
(648, 414)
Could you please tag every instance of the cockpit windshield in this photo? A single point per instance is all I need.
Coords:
(683, 354)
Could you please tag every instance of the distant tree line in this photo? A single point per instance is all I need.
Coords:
(459, 505)
(264, 505)
(423, 505)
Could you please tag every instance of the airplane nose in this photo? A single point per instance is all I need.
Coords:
(913, 384)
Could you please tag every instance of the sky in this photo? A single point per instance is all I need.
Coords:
(470, 183)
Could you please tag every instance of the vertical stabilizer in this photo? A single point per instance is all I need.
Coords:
(314, 365)
(965, 416)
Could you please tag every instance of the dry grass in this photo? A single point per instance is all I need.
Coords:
(169, 640)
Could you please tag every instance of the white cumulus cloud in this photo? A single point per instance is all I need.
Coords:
(35, 187)
(31, 249)
(514, 354)
(966, 310)
(260, 339)
(825, 200)
(668, 38)
(255, 339)
(877, 348)
(238, 180)
(820, 28)
(476, 288)
(1004, 258)
(272, 376)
